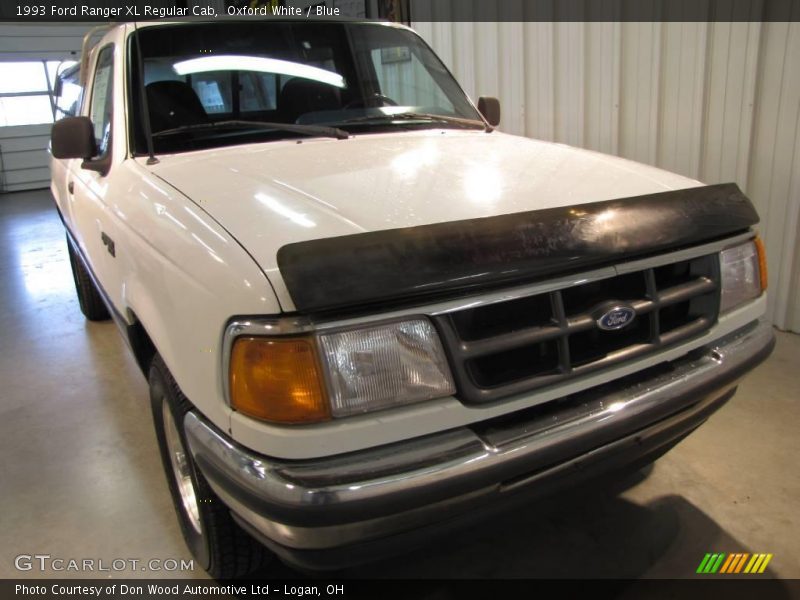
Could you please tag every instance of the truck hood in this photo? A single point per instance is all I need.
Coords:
(270, 195)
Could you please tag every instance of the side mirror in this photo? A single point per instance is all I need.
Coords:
(73, 137)
(490, 109)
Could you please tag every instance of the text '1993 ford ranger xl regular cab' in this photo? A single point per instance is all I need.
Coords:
(366, 316)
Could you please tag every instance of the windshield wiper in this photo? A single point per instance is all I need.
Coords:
(312, 130)
(417, 116)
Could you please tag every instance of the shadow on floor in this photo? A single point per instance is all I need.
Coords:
(587, 532)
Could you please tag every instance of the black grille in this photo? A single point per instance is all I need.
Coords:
(518, 345)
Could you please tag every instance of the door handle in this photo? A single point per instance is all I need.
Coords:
(71, 187)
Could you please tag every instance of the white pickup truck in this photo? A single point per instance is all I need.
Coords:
(367, 316)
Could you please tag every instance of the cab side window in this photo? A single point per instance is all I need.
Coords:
(100, 109)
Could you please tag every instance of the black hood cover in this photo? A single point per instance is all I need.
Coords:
(408, 264)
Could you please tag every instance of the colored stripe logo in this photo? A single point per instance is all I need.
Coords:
(734, 563)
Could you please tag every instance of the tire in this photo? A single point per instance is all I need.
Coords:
(90, 300)
(217, 543)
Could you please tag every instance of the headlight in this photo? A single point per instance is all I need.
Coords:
(383, 366)
(316, 377)
(744, 274)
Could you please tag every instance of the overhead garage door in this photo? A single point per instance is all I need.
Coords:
(24, 157)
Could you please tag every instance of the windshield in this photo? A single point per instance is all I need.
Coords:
(211, 85)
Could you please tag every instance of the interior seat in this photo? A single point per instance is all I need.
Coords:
(300, 96)
(173, 104)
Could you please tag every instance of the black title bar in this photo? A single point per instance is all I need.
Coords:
(732, 588)
(409, 10)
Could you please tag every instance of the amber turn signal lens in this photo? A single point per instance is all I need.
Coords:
(277, 380)
(762, 262)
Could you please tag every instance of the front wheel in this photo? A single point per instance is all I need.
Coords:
(217, 543)
(90, 300)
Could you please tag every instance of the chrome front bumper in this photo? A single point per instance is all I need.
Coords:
(329, 503)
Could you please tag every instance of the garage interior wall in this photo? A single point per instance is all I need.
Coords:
(717, 102)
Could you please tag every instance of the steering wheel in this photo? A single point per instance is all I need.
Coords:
(364, 102)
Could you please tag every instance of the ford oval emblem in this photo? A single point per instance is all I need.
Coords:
(616, 318)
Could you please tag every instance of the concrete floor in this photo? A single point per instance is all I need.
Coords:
(80, 476)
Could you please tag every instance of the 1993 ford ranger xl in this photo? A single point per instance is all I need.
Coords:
(366, 316)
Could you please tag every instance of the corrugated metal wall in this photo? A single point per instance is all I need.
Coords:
(715, 101)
